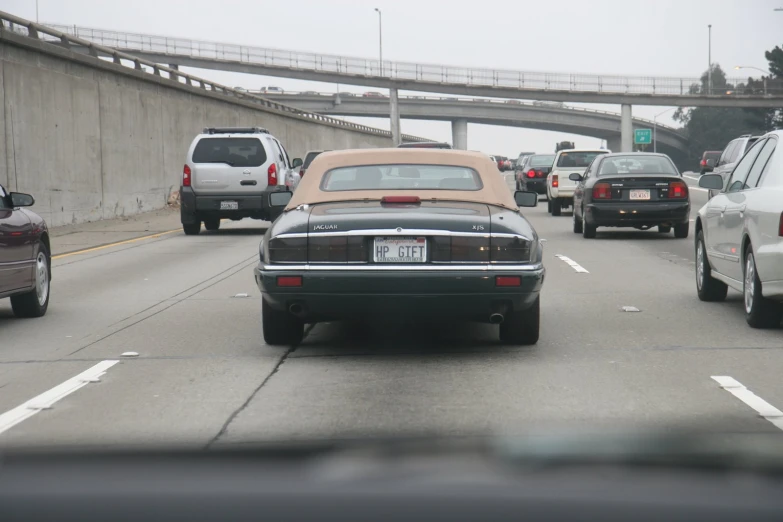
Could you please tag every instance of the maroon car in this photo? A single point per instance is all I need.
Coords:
(25, 262)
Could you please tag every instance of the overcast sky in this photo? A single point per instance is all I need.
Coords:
(623, 37)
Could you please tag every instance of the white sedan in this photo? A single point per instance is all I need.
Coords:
(739, 234)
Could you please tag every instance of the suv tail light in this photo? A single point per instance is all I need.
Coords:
(271, 175)
(703, 163)
(602, 191)
(531, 173)
(555, 182)
(186, 176)
(678, 190)
(301, 172)
(780, 226)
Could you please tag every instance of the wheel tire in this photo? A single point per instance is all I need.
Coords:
(681, 230)
(708, 288)
(522, 327)
(548, 204)
(35, 302)
(577, 223)
(588, 230)
(759, 311)
(556, 207)
(212, 224)
(280, 327)
(191, 229)
(664, 229)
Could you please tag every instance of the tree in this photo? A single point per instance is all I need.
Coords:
(712, 128)
(775, 59)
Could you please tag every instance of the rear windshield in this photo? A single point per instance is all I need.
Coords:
(750, 143)
(542, 161)
(578, 159)
(237, 152)
(401, 177)
(637, 165)
(712, 155)
(309, 158)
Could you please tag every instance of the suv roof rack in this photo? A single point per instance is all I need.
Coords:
(235, 130)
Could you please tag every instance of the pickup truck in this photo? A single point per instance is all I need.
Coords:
(560, 189)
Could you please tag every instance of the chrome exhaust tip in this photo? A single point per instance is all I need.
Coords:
(496, 318)
(296, 309)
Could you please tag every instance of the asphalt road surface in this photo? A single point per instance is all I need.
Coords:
(204, 377)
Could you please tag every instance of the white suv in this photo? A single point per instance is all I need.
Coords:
(229, 173)
(560, 189)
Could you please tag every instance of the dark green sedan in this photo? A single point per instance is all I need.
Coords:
(398, 232)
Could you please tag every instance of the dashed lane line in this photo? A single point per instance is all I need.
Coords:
(762, 407)
(47, 399)
(573, 264)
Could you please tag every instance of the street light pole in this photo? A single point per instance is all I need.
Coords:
(36, 11)
(709, 59)
(380, 36)
(764, 78)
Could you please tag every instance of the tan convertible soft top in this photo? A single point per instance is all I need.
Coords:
(494, 192)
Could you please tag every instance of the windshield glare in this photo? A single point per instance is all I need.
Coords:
(636, 165)
(577, 159)
(401, 177)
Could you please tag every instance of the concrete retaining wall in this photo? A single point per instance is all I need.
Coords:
(94, 140)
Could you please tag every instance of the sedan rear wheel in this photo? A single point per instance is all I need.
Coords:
(556, 207)
(577, 223)
(191, 229)
(521, 327)
(760, 312)
(588, 230)
(681, 230)
(35, 302)
(280, 327)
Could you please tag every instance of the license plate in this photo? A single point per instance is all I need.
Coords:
(640, 194)
(229, 205)
(400, 250)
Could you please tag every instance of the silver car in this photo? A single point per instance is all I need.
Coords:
(229, 173)
(739, 234)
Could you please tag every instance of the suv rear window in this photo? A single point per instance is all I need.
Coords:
(712, 155)
(237, 152)
(542, 161)
(309, 159)
(401, 177)
(578, 159)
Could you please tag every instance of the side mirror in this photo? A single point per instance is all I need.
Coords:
(280, 199)
(526, 198)
(18, 199)
(711, 181)
(575, 177)
(297, 162)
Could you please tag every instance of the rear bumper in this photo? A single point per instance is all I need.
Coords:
(535, 185)
(195, 207)
(622, 214)
(562, 192)
(348, 292)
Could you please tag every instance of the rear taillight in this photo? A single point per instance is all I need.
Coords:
(602, 191)
(540, 174)
(678, 189)
(400, 200)
(287, 250)
(186, 176)
(780, 226)
(457, 249)
(271, 175)
(703, 163)
(509, 250)
(336, 249)
(301, 172)
(555, 182)
(289, 281)
(508, 281)
(531, 173)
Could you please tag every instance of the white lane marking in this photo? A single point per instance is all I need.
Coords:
(47, 399)
(573, 264)
(765, 409)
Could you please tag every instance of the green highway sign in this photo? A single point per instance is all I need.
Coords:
(642, 136)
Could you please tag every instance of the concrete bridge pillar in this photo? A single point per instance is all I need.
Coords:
(173, 76)
(613, 144)
(626, 129)
(459, 134)
(394, 115)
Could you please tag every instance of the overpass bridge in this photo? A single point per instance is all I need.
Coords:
(460, 111)
(443, 79)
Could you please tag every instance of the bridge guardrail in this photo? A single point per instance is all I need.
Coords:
(21, 26)
(553, 105)
(394, 70)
